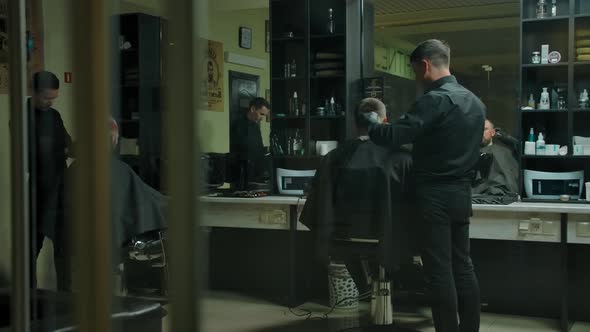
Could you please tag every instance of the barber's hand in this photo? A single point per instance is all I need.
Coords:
(114, 132)
(371, 117)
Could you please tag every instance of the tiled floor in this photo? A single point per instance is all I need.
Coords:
(223, 312)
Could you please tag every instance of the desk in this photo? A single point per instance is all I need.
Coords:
(560, 223)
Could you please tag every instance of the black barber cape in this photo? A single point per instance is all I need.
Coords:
(136, 208)
(358, 192)
(445, 126)
(503, 177)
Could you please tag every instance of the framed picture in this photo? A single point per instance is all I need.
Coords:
(267, 36)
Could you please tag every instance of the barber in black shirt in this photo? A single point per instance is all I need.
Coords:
(49, 145)
(445, 126)
(246, 139)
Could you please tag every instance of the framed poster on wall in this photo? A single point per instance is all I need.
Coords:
(213, 82)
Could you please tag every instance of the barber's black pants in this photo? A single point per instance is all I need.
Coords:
(453, 287)
(62, 261)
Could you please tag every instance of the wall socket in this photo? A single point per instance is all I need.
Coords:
(273, 216)
(583, 229)
(538, 226)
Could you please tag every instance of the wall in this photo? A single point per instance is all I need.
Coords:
(214, 126)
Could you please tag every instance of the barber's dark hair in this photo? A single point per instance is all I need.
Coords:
(45, 80)
(259, 103)
(368, 105)
(437, 51)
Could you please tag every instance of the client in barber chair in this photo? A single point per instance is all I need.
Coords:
(357, 195)
(503, 174)
(136, 208)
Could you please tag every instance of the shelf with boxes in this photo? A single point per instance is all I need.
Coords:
(545, 42)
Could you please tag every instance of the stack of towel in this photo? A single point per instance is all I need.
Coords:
(328, 64)
(581, 145)
(583, 44)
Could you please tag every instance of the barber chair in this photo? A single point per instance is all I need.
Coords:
(145, 265)
(362, 199)
(358, 254)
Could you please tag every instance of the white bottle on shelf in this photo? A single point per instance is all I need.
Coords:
(544, 102)
(540, 146)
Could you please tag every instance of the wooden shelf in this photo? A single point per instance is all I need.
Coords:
(587, 15)
(542, 65)
(288, 117)
(284, 39)
(544, 111)
(288, 78)
(581, 110)
(336, 117)
(297, 157)
(554, 18)
(315, 77)
(581, 63)
(325, 36)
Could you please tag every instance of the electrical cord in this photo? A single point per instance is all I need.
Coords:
(309, 315)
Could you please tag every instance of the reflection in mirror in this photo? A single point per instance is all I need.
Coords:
(485, 59)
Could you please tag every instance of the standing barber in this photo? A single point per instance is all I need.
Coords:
(49, 147)
(446, 126)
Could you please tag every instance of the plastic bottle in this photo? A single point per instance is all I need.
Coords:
(540, 145)
(295, 107)
(531, 135)
(332, 109)
(532, 101)
(331, 26)
(554, 8)
(293, 69)
(544, 102)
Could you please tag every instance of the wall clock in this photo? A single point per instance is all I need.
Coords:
(245, 37)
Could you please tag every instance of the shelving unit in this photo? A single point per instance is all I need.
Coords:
(139, 92)
(570, 74)
(322, 72)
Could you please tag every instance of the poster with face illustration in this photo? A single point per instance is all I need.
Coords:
(213, 82)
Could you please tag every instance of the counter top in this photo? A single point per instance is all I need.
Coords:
(575, 208)
(268, 200)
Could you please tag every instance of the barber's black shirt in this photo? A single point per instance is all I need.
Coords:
(247, 147)
(445, 126)
(49, 143)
